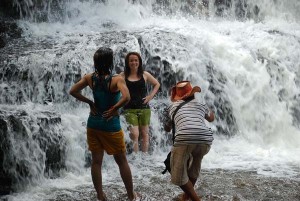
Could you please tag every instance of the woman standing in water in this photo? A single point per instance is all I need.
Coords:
(137, 111)
(104, 131)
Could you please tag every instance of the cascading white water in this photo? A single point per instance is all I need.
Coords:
(249, 72)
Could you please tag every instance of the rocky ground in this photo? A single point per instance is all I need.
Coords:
(239, 185)
(215, 185)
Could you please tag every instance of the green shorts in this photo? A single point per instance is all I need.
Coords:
(137, 117)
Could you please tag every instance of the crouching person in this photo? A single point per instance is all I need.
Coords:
(192, 138)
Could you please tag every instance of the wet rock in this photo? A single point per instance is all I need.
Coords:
(221, 105)
(295, 111)
(30, 147)
(222, 7)
(14, 77)
(8, 31)
(11, 29)
(2, 43)
(37, 10)
(160, 69)
(6, 181)
(7, 9)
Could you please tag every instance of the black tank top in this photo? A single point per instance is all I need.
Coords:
(138, 91)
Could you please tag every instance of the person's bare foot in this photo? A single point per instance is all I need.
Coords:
(182, 197)
(103, 199)
(137, 197)
(185, 197)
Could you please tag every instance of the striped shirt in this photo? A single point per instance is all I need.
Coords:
(190, 127)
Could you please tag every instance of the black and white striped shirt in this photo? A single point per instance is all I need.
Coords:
(190, 124)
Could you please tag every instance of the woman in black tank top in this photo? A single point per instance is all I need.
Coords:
(137, 111)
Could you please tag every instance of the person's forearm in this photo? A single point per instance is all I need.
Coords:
(167, 127)
(210, 117)
(154, 91)
(82, 98)
(123, 101)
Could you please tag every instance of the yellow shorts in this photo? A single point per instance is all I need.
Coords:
(111, 142)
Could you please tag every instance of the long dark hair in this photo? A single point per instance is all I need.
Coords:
(127, 69)
(103, 61)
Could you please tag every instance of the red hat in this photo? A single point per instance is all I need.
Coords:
(183, 90)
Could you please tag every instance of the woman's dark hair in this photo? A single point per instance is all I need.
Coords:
(127, 68)
(103, 60)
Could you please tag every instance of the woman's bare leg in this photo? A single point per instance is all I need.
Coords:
(134, 136)
(145, 138)
(97, 158)
(125, 173)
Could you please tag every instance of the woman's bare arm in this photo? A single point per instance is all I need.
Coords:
(149, 78)
(75, 91)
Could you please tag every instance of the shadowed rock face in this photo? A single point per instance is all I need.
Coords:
(2, 42)
(23, 82)
(6, 180)
(8, 31)
(30, 147)
(161, 69)
(7, 9)
(38, 10)
(221, 104)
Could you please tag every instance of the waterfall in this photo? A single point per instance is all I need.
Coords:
(60, 10)
(244, 55)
